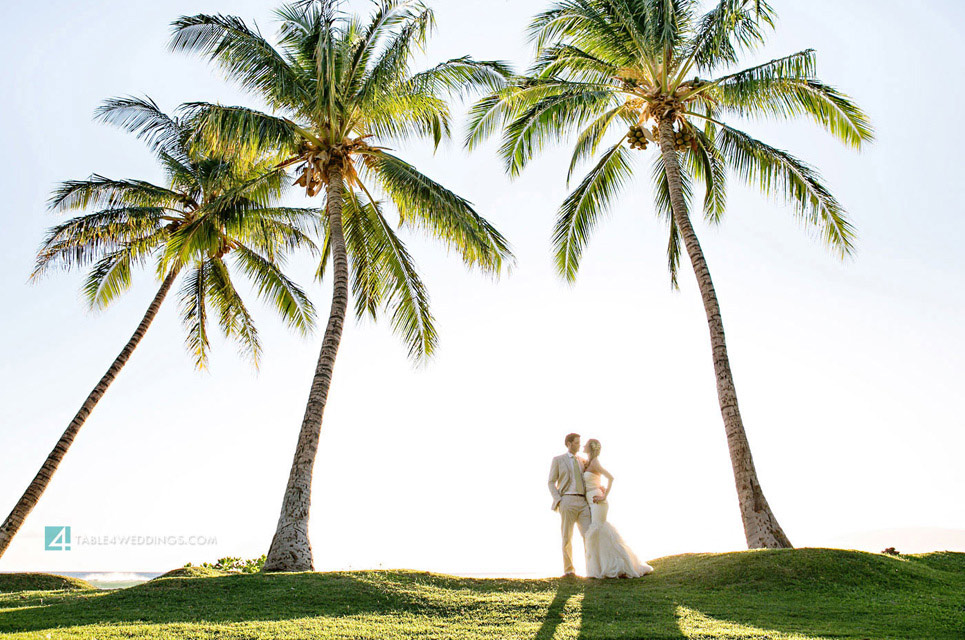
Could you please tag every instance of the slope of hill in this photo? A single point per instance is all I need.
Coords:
(796, 594)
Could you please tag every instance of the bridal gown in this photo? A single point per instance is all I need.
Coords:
(607, 555)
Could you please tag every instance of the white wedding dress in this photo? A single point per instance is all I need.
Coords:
(607, 555)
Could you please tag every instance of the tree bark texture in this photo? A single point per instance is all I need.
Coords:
(290, 548)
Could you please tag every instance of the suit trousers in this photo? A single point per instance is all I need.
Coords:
(573, 510)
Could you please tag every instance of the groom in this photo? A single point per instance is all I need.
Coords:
(569, 497)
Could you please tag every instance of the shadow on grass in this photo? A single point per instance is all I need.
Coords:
(636, 608)
(556, 612)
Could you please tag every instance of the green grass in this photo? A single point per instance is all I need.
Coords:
(14, 582)
(789, 594)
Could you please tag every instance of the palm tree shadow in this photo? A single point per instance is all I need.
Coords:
(555, 615)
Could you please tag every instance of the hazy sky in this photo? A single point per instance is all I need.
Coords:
(849, 374)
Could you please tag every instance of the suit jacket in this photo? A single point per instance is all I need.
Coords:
(562, 479)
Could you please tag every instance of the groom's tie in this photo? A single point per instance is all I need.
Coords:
(579, 476)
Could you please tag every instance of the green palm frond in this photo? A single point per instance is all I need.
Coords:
(79, 241)
(583, 207)
(406, 295)
(549, 120)
(706, 163)
(488, 114)
(725, 31)
(461, 77)
(99, 191)
(194, 312)
(778, 173)
(664, 209)
(448, 217)
(393, 61)
(566, 60)
(143, 117)
(590, 138)
(786, 88)
(275, 288)
(384, 19)
(405, 115)
(243, 53)
(365, 252)
(242, 133)
(234, 319)
(586, 24)
(276, 231)
(111, 276)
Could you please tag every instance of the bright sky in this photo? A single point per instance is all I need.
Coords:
(849, 374)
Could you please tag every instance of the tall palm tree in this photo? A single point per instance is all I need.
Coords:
(214, 216)
(667, 72)
(340, 87)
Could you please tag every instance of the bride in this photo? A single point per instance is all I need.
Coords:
(607, 555)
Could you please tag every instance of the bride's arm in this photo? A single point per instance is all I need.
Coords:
(606, 474)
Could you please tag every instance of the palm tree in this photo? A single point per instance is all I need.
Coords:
(667, 72)
(211, 209)
(339, 85)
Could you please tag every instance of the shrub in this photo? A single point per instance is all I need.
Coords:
(235, 565)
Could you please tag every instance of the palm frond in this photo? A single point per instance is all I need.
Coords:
(445, 215)
(549, 120)
(244, 54)
(79, 241)
(240, 132)
(143, 117)
(583, 207)
(664, 209)
(99, 191)
(364, 250)
(780, 174)
(590, 138)
(786, 88)
(706, 163)
(275, 288)
(728, 29)
(406, 296)
(194, 312)
(234, 318)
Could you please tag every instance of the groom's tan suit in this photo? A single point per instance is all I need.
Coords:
(569, 496)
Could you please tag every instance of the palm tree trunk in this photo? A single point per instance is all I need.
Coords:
(290, 548)
(39, 484)
(760, 526)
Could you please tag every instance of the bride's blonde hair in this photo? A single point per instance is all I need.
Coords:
(593, 446)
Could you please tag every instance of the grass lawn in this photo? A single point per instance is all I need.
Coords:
(787, 594)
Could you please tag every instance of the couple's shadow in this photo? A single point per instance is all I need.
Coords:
(596, 606)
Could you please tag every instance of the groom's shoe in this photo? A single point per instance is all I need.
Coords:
(570, 574)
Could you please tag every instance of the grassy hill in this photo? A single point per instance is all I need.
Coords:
(790, 594)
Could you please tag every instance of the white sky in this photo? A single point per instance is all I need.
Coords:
(849, 374)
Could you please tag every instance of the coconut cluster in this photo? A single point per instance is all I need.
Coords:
(637, 138)
(684, 137)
